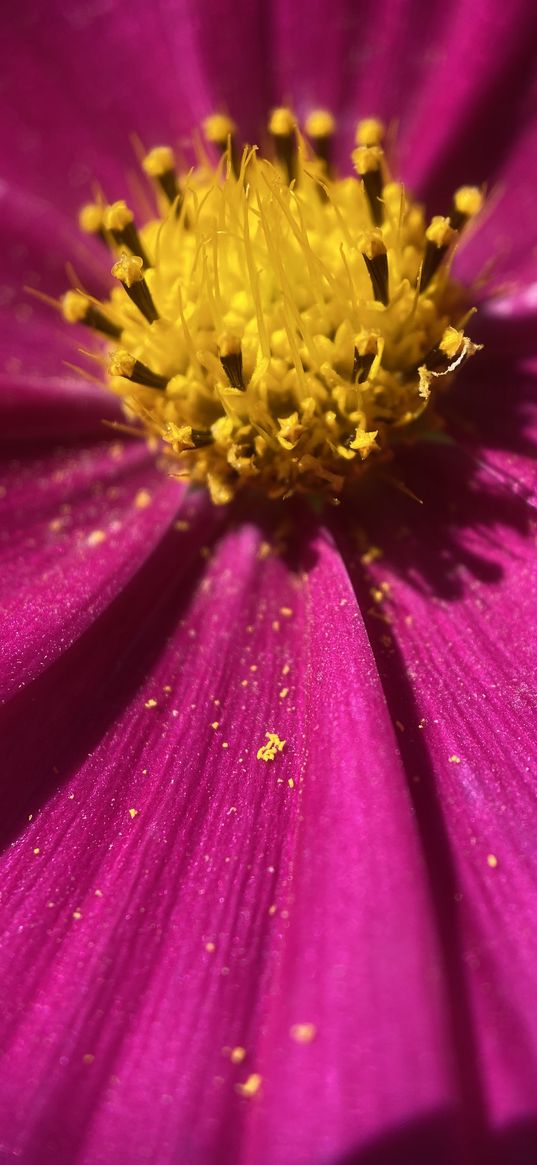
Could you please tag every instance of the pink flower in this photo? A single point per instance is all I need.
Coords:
(210, 957)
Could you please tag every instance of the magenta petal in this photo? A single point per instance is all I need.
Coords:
(454, 599)
(102, 74)
(176, 897)
(75, 527)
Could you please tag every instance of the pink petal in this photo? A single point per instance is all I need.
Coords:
(102, 73)
(76, 525)
(243, 897)
(452, 603)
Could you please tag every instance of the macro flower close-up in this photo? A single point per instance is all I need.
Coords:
(268, 372)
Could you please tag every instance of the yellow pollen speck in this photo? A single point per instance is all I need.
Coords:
(237, 1055)
(453, 760)
(291, 783)
(142, 499)
(250, 1086)
(303, 1033)
(225, 744)
(273, 746)
(181, 525)
(215, 724)
(272, 909)
(210, 947)
(37, 850)
(95, 538)
(77, 914)
(283, 693)
(286, 669)
(287, 611)
(133, 812)
(275, 325)
(151, 703)
(492, 861)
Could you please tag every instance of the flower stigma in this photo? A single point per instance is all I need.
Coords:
(275, 325)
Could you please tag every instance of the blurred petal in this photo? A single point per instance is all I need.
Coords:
(439, 71)
(174, 897)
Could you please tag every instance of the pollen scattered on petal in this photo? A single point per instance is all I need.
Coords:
(237, 1055)
(151, 703)
(454, 759)
(142, 499)
(250, 1086)
(270, 750)
(492, 861)
(303, 1033)
(96, 538)
(133, 813)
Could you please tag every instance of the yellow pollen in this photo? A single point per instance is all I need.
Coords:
(440, 232)
(273, 746)
(275, 325)
(117, 216)
(121, 363)
(91, 218)
(218, 128)
(159, 161)
(468, 200)
(320, 124)
(75, 306)
(367, 158)
(128, 269)
(282, 122)
(369, 132)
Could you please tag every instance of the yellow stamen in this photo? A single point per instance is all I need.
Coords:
(91, 218)
(369, 132)
(289, 323)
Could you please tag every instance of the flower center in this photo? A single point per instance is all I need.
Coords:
(274, 324)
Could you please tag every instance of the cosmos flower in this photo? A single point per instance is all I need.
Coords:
(269, 814)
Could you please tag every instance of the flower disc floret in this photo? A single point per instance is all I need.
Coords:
(277, 326)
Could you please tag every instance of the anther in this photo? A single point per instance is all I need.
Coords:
(370, 132)
(220, 131)
(129, 271)
(365, 351)
(375, 258)
(122, 363)
(230, 354)
(367, 163)
(440, 235)
(188, 438)
(467, 202)
(91, 220)
(159, 164)
(78, 308)
(119, 221)
(282, 128)
(320, 127)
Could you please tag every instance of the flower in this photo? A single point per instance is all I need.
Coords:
(269, 817)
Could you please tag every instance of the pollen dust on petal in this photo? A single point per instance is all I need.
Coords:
(250, 1086)
(273, 746)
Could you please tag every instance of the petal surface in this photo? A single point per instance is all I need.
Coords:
(450, 588)
(210, 956)
(76, 524)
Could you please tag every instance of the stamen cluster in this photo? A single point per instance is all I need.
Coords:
(274, 324)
